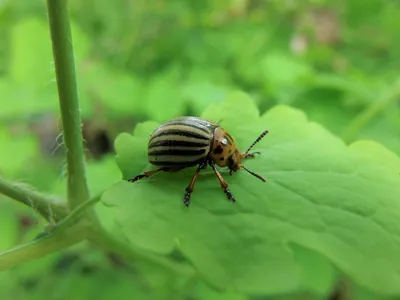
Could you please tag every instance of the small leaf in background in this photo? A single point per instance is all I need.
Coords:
(339, 201)
(32, 60)
(21, 148)
(35, 270)
(119, 93)
(201, 94)
(10, 225)
(385, 129)
(359, 293)
(81, 43)
(132, 153)
(326, 107)
(360, 91)
(282, 72)
(204, 292)
(31, 74)
(163, 96)
(239, 104)
(8, 285)
(100, 176)
(5, 91)
(317, 272)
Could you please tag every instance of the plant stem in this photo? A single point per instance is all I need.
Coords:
(74, 215)
(41, 247)
(370, 112)
(50, 208)
(60, 30)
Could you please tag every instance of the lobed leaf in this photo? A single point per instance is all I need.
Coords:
(324, 205)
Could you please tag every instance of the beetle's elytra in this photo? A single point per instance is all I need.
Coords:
(189, 141)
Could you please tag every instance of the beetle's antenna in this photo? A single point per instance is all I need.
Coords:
(252, 173)
(255, 142)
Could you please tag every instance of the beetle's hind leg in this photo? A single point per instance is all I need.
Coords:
(190, 187)
(146, 174)
(223, 183)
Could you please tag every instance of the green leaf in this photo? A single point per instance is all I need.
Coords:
(359, 293)
(205, 293)
(317, 273)
(132, 149)
(283, 69)
(32, 57)
(9, 222)
(100, 175)
(284, 73)
(35, 269)
(385, 129)
(7, 285)
(340, 202)
(163, 98)
(118, 92)
(31, 87)
(201, 94)
(15, 151)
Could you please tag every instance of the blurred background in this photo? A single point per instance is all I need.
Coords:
(140, 60)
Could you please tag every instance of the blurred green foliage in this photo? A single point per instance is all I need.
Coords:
(337, 61)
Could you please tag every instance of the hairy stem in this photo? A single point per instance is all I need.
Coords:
(74, 216)
(60, 30)
(52, 209)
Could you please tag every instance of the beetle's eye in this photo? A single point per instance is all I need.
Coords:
(231, 162)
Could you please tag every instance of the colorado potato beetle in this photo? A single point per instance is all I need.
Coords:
(189, 141)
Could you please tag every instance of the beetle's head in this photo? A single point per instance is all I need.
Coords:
(234, 161)
(225, 153)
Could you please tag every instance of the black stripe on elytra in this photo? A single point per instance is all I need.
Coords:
(177, 163)
(188, 125)
(181, 133)
(170, 143)
(177, 152)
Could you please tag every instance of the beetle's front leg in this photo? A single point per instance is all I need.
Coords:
(190, 187)
(147, 174)
(223, 183)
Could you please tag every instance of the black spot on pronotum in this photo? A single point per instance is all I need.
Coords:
(221, 158)
(218, 150)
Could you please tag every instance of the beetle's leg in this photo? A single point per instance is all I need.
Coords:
(190, 187)
(146, 174)
(223, 183)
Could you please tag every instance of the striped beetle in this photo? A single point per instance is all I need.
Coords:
(189, 141)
